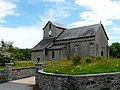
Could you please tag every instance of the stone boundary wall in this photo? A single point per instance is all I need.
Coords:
(104, 81)
(16, 73)
(3, 76)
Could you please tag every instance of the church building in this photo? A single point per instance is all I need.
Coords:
(59, 42)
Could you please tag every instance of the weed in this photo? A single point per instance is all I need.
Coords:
(76, 60)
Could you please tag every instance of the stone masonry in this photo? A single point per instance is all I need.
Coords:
(3, 76)
(105, 81)
(16, 73)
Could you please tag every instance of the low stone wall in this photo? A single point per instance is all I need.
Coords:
(18, 73)
(3, 76)
(106, 81)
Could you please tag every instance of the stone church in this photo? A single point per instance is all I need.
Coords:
(59, 42)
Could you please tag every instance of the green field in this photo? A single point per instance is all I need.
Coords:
(94, 66)
(19, 64)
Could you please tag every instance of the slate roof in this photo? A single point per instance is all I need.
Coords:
(58, 47)
(58, 25)
(42, 44)
(79, 32)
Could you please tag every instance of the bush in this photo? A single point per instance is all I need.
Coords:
(76, 60)
(68, 58)
(5, 57)
(88, 59)
(99, 58)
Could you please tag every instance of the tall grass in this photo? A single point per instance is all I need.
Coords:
(18, 64)
(65, 66)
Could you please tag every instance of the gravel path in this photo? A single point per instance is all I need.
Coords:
(21, 84)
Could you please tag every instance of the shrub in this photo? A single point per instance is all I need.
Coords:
(88, 59)
(68, 58)
(5, 57)
(99, 58)
(76, 60)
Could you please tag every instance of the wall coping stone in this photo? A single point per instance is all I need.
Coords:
(23, 68)
(66, 75)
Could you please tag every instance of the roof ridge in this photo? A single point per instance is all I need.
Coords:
(84, 26)
(58, 24)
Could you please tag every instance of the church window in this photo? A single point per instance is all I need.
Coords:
(49, 26)
(91, 46)
(76, 49)
(101, 53)
(46, 52)
(53, 54)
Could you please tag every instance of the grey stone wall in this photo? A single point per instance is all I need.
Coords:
(3, 76)
(108, 81)
(16, 73)
(102, 43)
(55, 31)
(35, 55)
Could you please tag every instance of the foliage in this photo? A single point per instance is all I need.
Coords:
(5, 52)
(99, 58)
(9, 53)
(21, 54)
(18, 64)
(76, 60)
(89, 59)
(115, 50)
(98, 66)
(68, 58)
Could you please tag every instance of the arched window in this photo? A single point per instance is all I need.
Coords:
(91, 46)
(75, 49)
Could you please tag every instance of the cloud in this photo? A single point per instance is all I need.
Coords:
(98, 10)
(33, 2)
(22, 37)
(6, 8)
(27, 36)
(57, 1)
(54, 14)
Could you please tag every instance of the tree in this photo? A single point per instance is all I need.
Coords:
(9, 52)
(115, 50)
(22, 54)
(5, 52)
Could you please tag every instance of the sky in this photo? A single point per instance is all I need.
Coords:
(21, 21)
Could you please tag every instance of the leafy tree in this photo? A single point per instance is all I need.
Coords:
(5, 52)
(9, 53)
(22, 54)
(115, 50)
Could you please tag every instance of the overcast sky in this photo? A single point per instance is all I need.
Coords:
(21, 21)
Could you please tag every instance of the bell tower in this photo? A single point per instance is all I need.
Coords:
(52, 30)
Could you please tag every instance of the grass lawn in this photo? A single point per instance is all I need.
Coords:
(95, 66)
(19, 64)
(2, 67)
